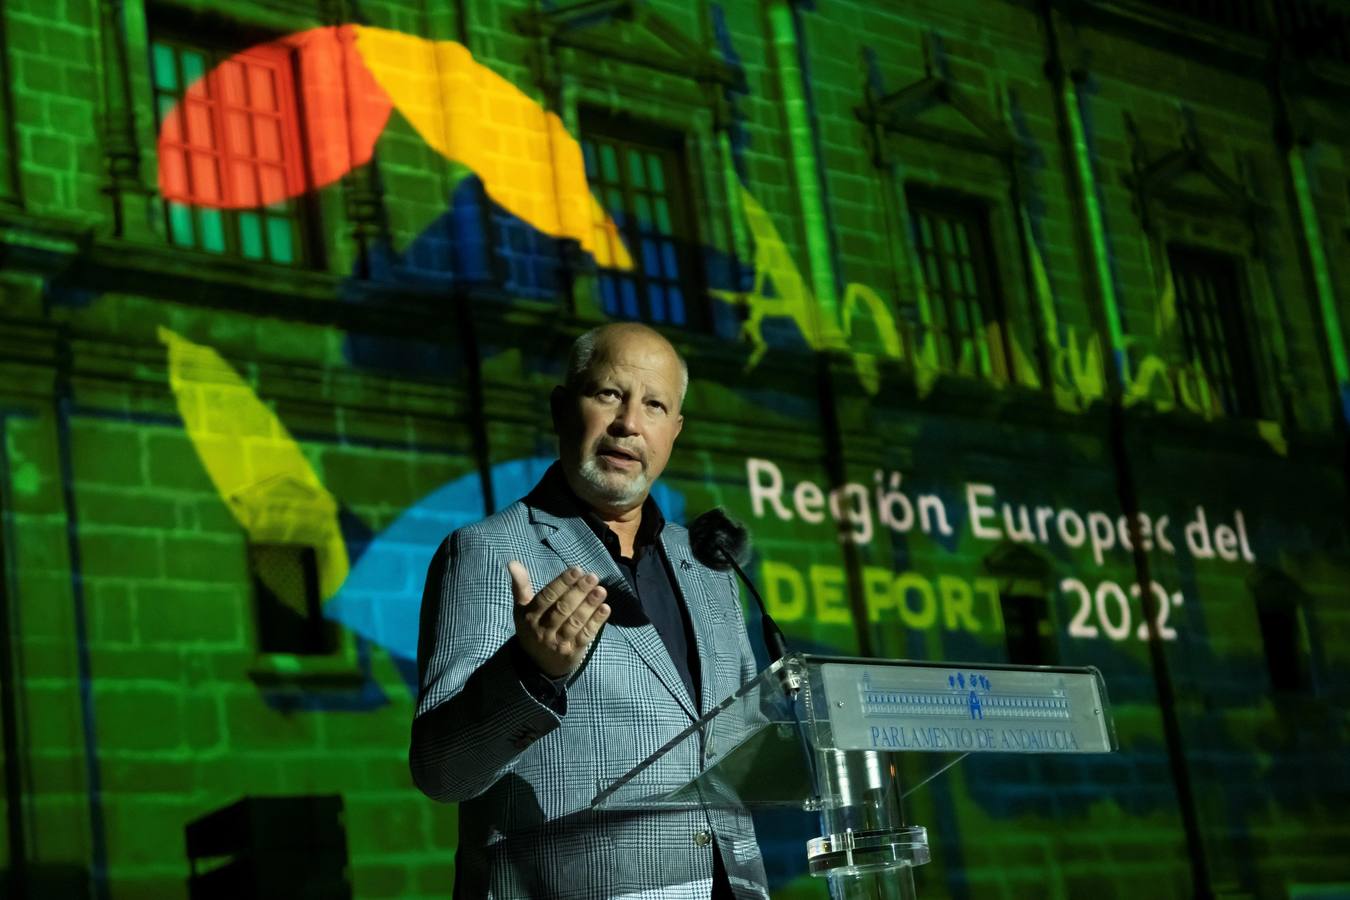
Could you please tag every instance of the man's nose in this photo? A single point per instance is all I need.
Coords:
(625, 419)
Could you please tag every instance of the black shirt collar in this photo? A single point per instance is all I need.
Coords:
(555, 495)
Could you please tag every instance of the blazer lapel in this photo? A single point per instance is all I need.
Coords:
(576, 545)
(698, 603)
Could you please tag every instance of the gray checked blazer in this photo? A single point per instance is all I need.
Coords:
(523, 775)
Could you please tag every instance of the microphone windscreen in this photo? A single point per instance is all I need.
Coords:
(717, 540)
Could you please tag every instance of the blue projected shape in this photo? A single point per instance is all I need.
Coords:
(382, 595)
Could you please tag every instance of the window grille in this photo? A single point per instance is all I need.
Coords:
(1210, 304)
(637, 174)
(959, 271)
(287, 603)
(235, 141)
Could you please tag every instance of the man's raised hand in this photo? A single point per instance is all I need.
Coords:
(557, 624)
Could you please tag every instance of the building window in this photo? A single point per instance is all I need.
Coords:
(1209, 309)
(1281, 623)
(234, 142)
(286, 597)
(637, 174)
(528, 260)
(1029, 635)
(966, 311)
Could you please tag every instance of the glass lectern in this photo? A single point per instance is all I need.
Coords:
(821, 733)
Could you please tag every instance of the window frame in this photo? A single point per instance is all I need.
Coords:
(1286, 634)
(1240, 391)
(337, 665)
(1043, 644)
(1283, 647)
(670, 146)
(322, 631)
(938, 204)
(301, 213)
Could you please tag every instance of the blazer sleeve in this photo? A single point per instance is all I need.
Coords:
(474, 715)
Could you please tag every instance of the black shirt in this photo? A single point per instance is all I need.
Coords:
(653, 585)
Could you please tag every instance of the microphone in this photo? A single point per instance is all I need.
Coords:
(723, 544)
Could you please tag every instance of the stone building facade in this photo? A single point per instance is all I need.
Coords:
(995, 311)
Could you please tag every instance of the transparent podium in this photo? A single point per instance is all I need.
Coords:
(824, 734)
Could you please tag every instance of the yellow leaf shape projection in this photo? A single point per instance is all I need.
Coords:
(256, 466)
(1272, 433)
(1024, 367)
(1166, 314)
(1082, 367)
(1151, 384)
(860, 295)
(791, 297)
(528, 163)
(1045, 296)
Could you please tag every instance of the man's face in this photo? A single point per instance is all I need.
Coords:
(617, 428)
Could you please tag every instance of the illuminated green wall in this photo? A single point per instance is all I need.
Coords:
(162, 409)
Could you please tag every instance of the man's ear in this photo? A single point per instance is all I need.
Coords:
(679, 425)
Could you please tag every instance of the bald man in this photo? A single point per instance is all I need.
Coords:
(570, 636)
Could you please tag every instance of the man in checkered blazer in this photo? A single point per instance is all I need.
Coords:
(568, 637)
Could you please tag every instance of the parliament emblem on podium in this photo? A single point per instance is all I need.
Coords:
(906, 707)
(975, 689)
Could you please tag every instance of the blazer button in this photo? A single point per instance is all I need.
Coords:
(702, 838)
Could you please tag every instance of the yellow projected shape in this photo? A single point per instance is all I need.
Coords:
(791, 297)
(256, 466)
(861, 295)
(528, 163)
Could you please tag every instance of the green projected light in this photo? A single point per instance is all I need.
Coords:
(1321, 271)
(805, 164)
(284, 305)
(1101, 259)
